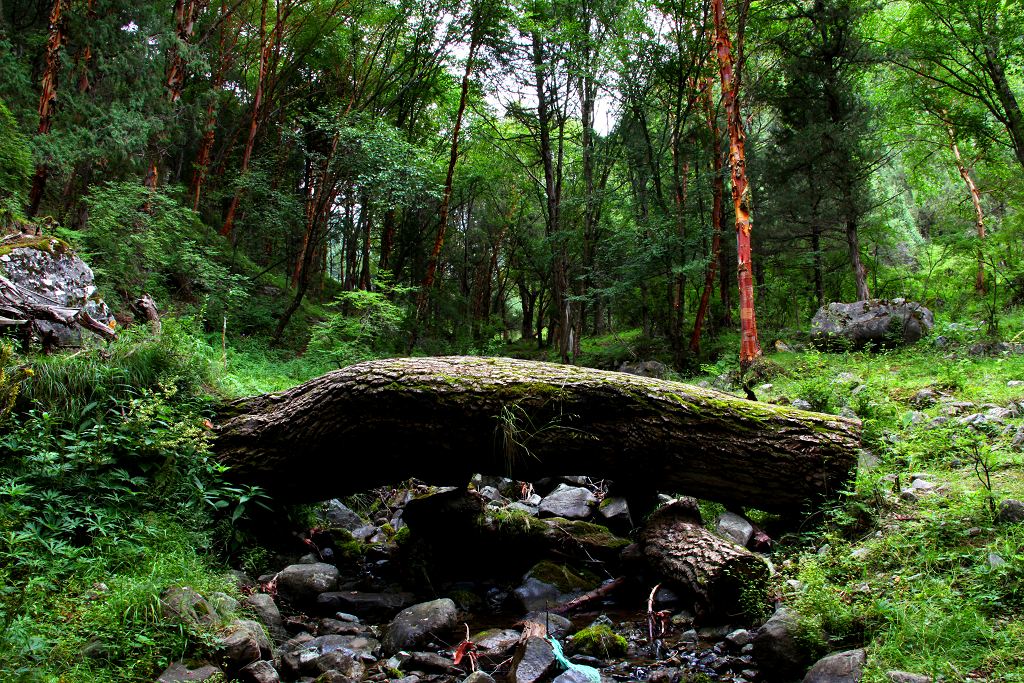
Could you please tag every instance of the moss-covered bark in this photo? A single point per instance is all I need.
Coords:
(442, 419)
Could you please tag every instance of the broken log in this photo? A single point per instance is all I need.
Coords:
(725, 580)
(443, 419)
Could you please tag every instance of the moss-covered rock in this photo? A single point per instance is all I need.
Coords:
(599, 641)
(563, 577)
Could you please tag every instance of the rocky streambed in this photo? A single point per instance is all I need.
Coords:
(552, 580)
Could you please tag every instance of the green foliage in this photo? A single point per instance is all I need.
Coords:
(367, 325)
(143, 241)
(15, 167)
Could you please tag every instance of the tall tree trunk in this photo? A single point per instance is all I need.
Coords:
(446, 196)
(750, 347)
(364, 272)
(979, 213)
(717, 192)
(860, 273)
(48, 97)
(387, 240)
(225, 60)
(819, 279)
(1014, 119)
(254, 122)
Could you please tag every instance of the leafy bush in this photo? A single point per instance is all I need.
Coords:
(368, 326)
(15, 167)
(144, 241)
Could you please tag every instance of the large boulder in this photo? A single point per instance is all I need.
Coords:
(414, 625)
(48, 267)
(873, 323)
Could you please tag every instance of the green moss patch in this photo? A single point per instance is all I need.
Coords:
(599, 641)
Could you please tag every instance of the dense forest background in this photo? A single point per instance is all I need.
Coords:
(304, 184)
(543, 171)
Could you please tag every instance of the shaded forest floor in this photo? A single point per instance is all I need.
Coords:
(108, 496)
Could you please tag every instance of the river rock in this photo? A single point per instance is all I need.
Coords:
(838, 667)
(534, 662)
(301, 658)
(496, 643)
(302, 583)
(185, 605)
(548, 583)
(339, 515)
(614, 510)
(558, 626)
(573, 676)
(478, 677)
(413, 625)
(778, 650)
(267, 612)
(245, 642)
(371, 606)
(872, 323)
(907, 677)
(734, 527)
(48, 266)
(179, 673)
(259, 672)
(570, 502)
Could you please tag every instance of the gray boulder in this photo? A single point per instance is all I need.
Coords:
(536, 660)
(259, 672)
(185, 605)
(645, 368)
(838, 667)
(570, 502)
(339, 515)
(341, 654)
(781, 654)
(302, 583)
(266, 611)
(735, 528)
(48, 267)
(1010, 511)
(412, 626)
(873, 323)
(244, 643)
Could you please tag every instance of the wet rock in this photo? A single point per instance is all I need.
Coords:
(549, 583)
(337, 627)
(302, 583)
(838, 667)
(614, 510)
(570, 502)
(185, 605)
(738, 638)
(534, 662)
(415, 624)
(245, 642)
(179, 673)
(735, 528)
(266, 611)
(259, 672)
(557, 625)
(874, 323)
(431, 661)
(907, 677)
(573, 676)
(371, 606)
(339, 515)
(478, 677)
(302, 657)
(1010, 511)
(341, 663)
(496, 643)
(781, 654)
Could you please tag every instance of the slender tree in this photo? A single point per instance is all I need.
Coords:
(48, 96)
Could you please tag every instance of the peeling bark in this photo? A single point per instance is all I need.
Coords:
(48, 97)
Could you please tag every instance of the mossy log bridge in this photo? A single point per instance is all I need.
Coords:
(443, 419)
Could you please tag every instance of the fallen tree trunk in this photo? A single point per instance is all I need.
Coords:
(443, 419)
(725, 580)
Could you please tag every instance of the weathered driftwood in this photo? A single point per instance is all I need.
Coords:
(442, 419)
(21, 306)
(725, 580)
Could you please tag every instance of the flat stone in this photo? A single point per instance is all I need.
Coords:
(838, 667)
(570, 502)
(179, 673)
(372, 606)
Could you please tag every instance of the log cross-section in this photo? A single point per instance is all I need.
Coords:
(442, 419)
